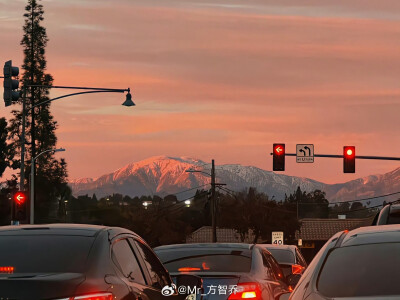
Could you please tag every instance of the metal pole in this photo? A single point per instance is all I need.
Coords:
(22, 179)
(32, 200)
(213, 206)
(357, 156)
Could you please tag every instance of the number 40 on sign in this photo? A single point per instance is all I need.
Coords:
(277, 237)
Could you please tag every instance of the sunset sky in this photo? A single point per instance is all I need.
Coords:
(221, 79)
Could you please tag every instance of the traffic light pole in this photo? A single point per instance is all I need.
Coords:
(357, 156)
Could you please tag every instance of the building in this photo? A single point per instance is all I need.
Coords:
(314, 233)
(224, 235)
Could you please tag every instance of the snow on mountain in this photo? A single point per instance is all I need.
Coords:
(163, 175)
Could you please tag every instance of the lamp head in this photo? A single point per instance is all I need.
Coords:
(128, 101)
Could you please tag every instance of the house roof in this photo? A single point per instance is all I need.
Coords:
(324, 229)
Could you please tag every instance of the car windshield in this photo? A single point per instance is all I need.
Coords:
(206, 260)
(44, 253)
(360, 271)
(283, 256)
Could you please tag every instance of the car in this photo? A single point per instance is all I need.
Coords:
(229, 270)
(360, 264)
(78, 262)
(290, 260)
(389, 214)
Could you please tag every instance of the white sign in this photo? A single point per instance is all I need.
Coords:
(305, 153)
(277, 237)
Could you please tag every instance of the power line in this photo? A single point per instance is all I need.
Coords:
(370, 198)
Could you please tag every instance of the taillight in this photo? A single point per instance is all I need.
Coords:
(188, 269)
(297, 269)
(7, 270)
(96, 296)
(246, 290)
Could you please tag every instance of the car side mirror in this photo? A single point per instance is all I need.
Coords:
(189, 281)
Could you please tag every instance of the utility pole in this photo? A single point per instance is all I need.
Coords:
(213, 204)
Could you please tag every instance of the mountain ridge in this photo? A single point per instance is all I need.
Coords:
(163, 175)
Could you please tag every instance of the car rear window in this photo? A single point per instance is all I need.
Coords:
(360, 271)
(394, 216)
(283, 256)
(45, 253)
(205, 260)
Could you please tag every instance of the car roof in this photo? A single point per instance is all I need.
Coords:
(61, 229)
(372, 235)
(227, 246)
(280, 247)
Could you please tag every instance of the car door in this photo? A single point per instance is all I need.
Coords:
(129, 269)
(157, 276)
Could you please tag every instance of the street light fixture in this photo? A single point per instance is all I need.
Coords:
(32, 214)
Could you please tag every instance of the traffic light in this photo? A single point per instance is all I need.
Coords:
(278, 155)
(20, 206)
(10, 84)
(349, 159)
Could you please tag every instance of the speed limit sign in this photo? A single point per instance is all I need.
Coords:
(277, 237)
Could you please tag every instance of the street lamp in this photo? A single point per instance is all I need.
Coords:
(32, 214)
(88, 90)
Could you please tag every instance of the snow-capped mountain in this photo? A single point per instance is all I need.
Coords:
(164, 175)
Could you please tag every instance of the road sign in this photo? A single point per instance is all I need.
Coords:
(305, 153)
(277, 237)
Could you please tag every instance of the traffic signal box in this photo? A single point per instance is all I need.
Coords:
(20, 207)
(278, 155)
(10, 84)
(349, 159)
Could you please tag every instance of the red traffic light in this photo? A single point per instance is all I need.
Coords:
(349, 159)
(278, 157)
(349, 151)
(279, 149)
(19, 198)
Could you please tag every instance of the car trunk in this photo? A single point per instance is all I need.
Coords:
(39, 285)
(216, 286)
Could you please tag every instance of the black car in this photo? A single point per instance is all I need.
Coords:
(290, 260)
(361, 264)
(229, 271)
(83, 262)
(390, 214)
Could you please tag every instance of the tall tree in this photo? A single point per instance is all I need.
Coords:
(51, 173)
(6, 151)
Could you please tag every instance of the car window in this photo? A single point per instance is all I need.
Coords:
(283, 256)
(124, 258)
(158, 274)
(275, 267)
(268, 271)
(369, 270)
(45, 253)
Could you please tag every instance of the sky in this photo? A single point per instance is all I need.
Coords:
(221, 79)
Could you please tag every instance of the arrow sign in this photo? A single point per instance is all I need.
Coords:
(305, 153)
(278, 150)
